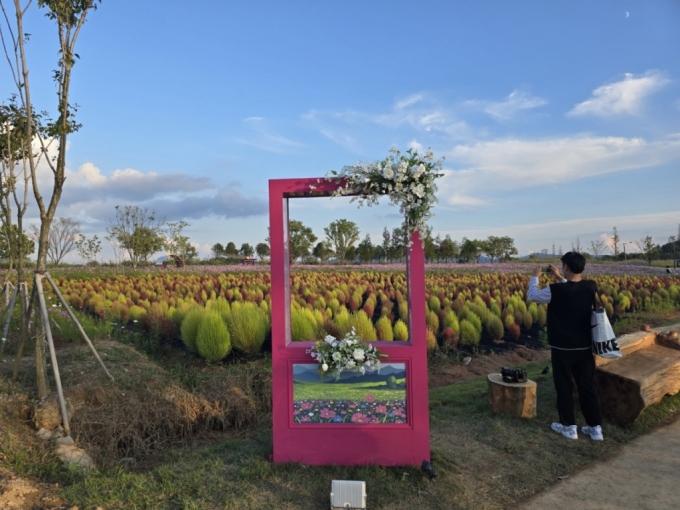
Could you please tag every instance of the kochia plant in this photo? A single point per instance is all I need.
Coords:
(212, 338)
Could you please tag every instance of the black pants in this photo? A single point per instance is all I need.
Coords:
(579, 367)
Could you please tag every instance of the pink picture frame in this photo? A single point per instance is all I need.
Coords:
(347, 444)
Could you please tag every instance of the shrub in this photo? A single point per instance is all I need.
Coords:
(212, 338)
(403, 311)
(190, 324)
(400, 330)
(136, 312)
(495, 327)
(432, 322)
(363, 326)
(533, 310)
(248, 328)
(383, 329)
(451, 321)
(542, 316)
(341, 321)
(528, 320)
(302, 326)
(431, 341)
(221, 307)
(509, 320)
(475, 321)
(513, 329)
(450, 337)
(434, 304)
(468, 333)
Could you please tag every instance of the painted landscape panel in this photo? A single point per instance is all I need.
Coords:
(374, 398)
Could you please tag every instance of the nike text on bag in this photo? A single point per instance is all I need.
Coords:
(604, 339)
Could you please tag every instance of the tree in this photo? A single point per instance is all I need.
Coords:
(9, 248)
(137, 231)
(178, 244)
(366, 249)
(217, 250)
(615, 244)
(300, 239)
(470, 250)
(672, 241)
(648, 248)
(62, 238)
(88, 249)
(322, 251)
(429, 245)
(262, 250)
(597, 247)
(387, 242)
(69, 16)
(247, 250)
(230, 250)
(397, 249)
(448, 249)
(342, 234)
(500, 248)
(576, 245)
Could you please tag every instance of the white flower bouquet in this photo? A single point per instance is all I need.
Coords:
(408, 179)
(349, 353)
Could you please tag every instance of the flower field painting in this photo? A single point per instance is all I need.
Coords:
(374, 398)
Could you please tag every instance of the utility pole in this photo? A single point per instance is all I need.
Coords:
(624, 250)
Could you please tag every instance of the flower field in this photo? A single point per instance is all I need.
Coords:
(215, 312)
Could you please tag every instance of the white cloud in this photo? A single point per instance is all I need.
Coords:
(515, 163)
(408, 101)
(622, 97)
(515, 102)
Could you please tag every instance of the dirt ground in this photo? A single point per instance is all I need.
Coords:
(484, 364)
(20, 493)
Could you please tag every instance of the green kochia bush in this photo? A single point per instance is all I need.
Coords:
(212, 339)
(400, 330)
(363, 326)
(189, 329)
(495, 327)
(383, 328)
(468, 333)
(248, 327)
(303, 325)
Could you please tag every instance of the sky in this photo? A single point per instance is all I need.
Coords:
(555, 119)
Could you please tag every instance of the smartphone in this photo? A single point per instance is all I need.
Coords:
(546, 269)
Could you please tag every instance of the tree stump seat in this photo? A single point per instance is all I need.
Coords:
(648, 370)
(516, 399)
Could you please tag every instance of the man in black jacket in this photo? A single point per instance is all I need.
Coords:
(570, 305)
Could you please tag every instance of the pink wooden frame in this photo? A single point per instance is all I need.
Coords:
(346, 444)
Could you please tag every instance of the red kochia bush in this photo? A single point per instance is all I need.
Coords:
(514, 331)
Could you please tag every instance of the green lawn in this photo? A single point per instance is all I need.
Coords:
(354, 391)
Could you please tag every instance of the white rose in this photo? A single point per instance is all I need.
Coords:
(336, 356)
(362, 370)
(324, 367)
(329, 339)
(358, 354)
(388, 173)
(351, 364)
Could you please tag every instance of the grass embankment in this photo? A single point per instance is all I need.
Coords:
(484, 460)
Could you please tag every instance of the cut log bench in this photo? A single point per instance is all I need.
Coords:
(516, 399)
(648, 370)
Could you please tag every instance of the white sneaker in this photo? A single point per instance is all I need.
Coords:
(568, 431)
(595, 432)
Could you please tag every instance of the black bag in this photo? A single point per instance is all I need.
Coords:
(514, 375)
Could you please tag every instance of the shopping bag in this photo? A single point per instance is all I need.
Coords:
(604, 339)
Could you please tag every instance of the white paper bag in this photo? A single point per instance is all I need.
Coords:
(604, 339)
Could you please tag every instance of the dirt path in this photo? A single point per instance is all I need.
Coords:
(643, 475)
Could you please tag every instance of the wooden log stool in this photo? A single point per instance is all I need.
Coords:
(516, 399)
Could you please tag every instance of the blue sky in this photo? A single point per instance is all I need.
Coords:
(557, 120)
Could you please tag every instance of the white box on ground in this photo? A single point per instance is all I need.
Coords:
(348, 494)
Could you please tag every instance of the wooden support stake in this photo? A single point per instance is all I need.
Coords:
(27, 307)
(53, 354)
(75, 321)
(10, 309)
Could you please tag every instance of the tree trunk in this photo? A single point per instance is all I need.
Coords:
(40, 366)
(516, 399)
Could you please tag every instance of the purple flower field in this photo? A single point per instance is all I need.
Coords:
(350, 411)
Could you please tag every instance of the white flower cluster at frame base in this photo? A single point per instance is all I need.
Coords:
(350, 353)
(408, 179)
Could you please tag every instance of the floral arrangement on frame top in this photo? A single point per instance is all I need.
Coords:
(408, 179)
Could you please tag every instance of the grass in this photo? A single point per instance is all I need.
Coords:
(484, 461)
(354, 391)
